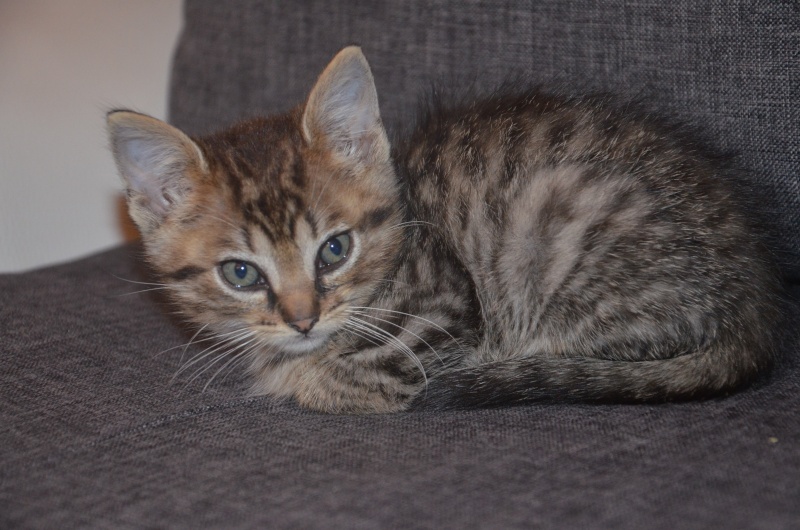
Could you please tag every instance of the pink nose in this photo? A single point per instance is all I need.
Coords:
(303, 326)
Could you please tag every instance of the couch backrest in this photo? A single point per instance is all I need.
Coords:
(732, 67)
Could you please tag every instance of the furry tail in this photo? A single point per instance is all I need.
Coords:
(703, 374)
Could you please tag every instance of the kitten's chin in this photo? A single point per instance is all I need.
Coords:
(302, 344)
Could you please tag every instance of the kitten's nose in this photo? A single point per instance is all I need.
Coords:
(299, 309)
(303, 326)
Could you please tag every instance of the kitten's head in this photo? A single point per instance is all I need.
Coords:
(279, 225)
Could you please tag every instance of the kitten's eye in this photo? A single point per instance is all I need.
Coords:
(333, 251)
(241, 274)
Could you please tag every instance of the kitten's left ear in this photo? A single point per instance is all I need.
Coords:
(154, 159)
(343, 109)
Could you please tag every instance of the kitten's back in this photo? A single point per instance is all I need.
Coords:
(611, 256)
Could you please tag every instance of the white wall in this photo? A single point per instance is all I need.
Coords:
(63, 64)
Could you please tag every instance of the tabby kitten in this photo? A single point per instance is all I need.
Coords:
(523, 247)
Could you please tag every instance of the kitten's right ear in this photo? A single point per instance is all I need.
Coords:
(342, 109)
(153, 159)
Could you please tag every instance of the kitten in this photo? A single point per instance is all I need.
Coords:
(522, 247)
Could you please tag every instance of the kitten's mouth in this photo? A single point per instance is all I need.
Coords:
(302, 344)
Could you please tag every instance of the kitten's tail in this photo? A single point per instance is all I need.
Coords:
(702, 374)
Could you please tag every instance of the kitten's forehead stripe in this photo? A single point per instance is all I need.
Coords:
(252, 216)
(276, 214)
(233, 178)
(248, 238)
(298, 172)
(311, 220)
(374, 218)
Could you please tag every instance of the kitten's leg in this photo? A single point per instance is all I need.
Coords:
(355, 377)
(356, 382)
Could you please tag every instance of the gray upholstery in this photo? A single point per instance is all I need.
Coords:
(92, 433)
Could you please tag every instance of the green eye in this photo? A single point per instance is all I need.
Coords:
(333, 251)
(241, 274)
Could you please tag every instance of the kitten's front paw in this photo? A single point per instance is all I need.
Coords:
(350, 403)
(338, 386)
(333, 390)
(344, 381)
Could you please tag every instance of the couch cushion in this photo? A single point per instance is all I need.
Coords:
(94, 435)
(728, 66)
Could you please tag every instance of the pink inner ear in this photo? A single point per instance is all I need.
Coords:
(153, 165)
(152, 157)
(343, 107)
(142, 174)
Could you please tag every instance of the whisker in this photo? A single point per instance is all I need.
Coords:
(211, 350)
(220, 357)
(183, 352)
(137, 282)
(241, 358)
(361, 329)
(253, 346)
(163, 288)
(403, 347)
(321, 191)
(432, 323)
(411, 223)
(185, 346)
(406, 330)
(362, 335)
(220, 354)
(357, 326)
(214, 336)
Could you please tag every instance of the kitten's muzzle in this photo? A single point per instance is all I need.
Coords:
(300, 310)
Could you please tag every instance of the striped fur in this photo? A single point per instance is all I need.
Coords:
(521, 247)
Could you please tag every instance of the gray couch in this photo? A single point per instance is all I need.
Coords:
(93, 434)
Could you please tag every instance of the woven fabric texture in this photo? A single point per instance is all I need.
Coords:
(731, 68)
(95, 436)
